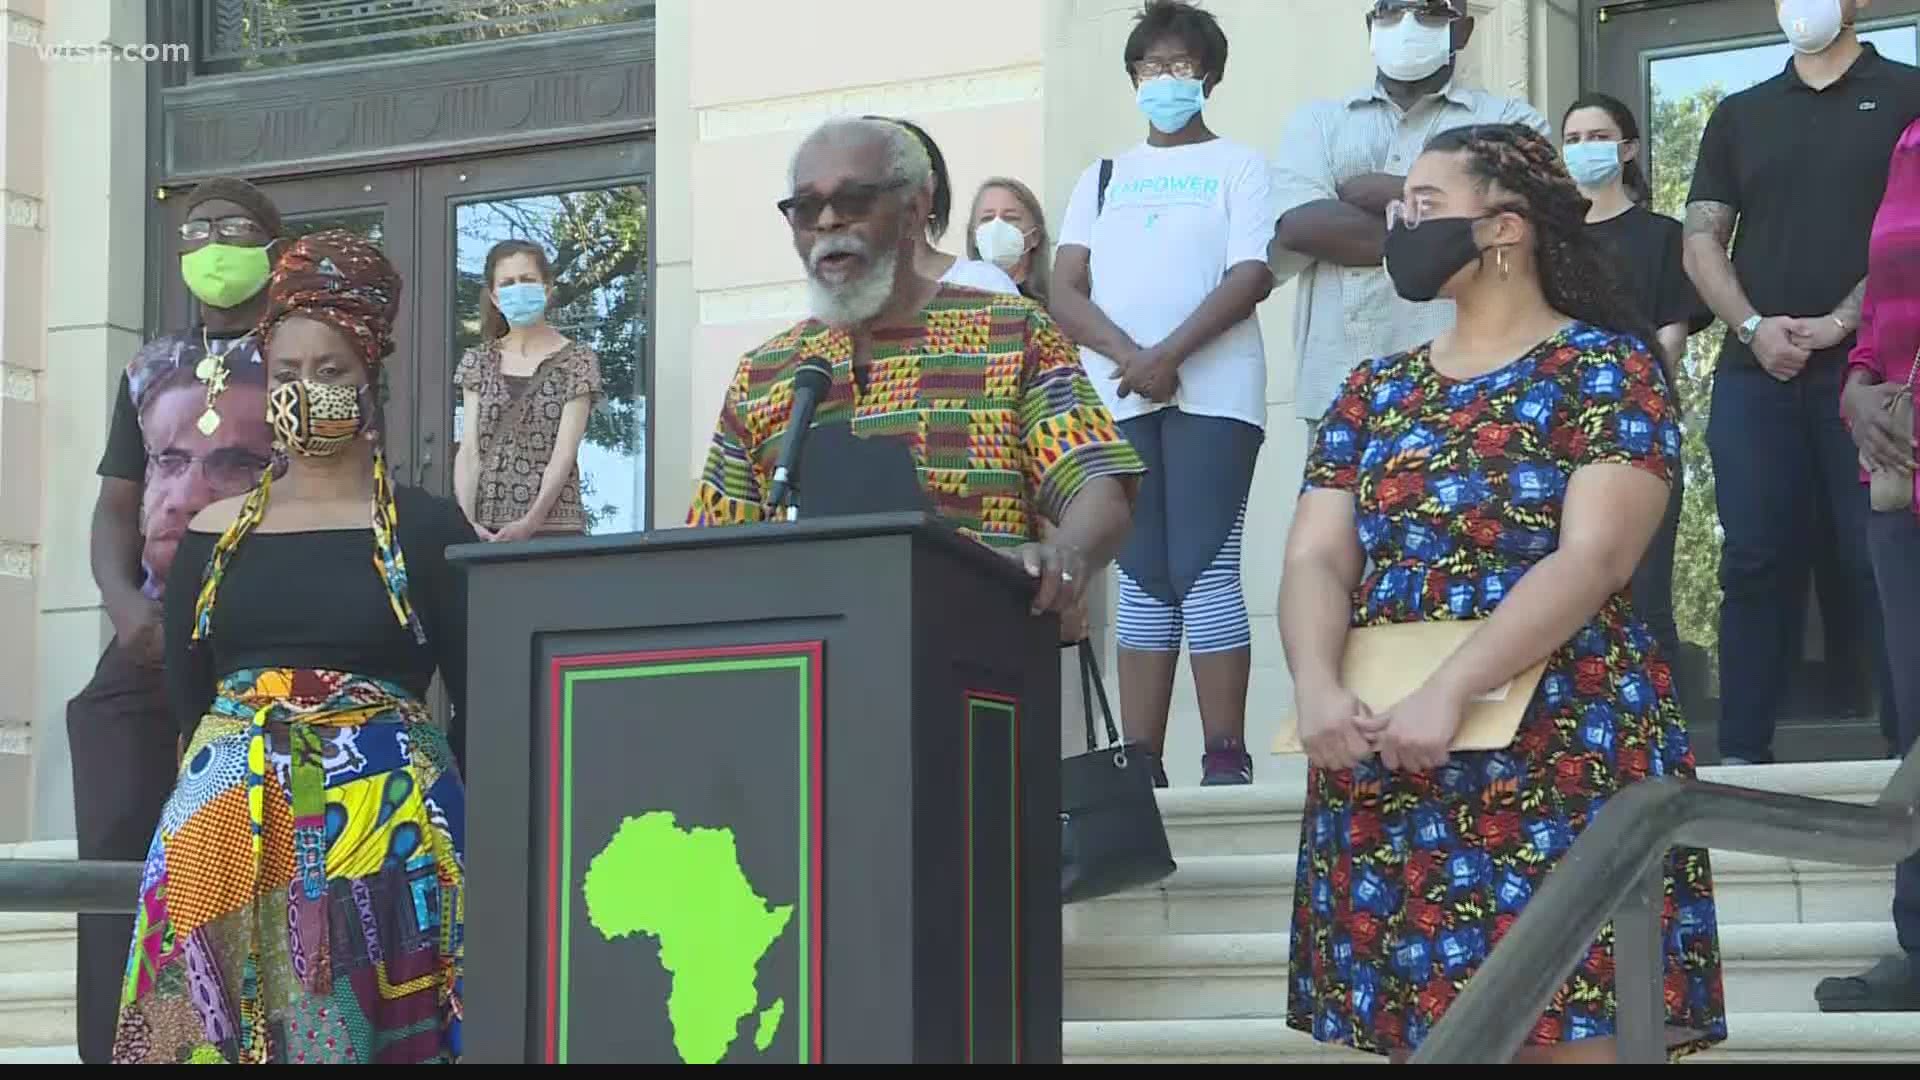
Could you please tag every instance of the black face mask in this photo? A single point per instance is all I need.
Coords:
(1422, 260)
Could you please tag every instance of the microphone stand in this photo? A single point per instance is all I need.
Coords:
(812, 382)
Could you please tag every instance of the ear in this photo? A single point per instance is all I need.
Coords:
(1462, 33)
(1629, 150)
(1503, 230)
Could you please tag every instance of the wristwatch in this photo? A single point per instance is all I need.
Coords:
(1746, 330)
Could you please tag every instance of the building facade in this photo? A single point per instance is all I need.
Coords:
(649, 139)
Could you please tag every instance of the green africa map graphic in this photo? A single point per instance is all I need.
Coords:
(685, 888)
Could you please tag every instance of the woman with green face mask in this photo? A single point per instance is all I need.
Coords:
(527, 391)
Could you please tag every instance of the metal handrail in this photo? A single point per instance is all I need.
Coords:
(84, 886)
(1615, 869)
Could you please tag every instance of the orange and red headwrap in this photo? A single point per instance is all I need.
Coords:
(341, 279)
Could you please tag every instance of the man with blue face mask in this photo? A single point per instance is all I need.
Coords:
(1340, 162)
(1162, 260)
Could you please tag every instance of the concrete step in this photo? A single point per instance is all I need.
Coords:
(36, 1008)
(39, 1055)
(31, 942)
(1768, 968)
(1216, 894)
(1829, 1038)
(1264, 818)
(39, 849)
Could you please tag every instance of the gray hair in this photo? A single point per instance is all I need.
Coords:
(907, 160)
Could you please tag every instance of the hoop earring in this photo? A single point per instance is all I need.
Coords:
(1500, 260)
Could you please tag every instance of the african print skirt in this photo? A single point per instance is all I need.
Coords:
(303, 896)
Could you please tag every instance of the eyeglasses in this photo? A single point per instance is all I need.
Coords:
(1428, 12)
(1180, 67)
(1412, 212)
(229, 228)
(850, 202)
(229, 470)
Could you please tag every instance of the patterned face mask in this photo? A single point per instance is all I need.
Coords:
(316, 419)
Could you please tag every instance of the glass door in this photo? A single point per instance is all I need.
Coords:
(1673, 63)
(377, 205)
(588, 208)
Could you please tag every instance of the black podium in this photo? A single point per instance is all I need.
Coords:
(774, 793)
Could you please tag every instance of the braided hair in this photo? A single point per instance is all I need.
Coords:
(1579, 276)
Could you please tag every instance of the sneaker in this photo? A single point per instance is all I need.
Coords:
(1889, 986)
(1226, 762)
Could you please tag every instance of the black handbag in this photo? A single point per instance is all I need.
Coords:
(1111, 835)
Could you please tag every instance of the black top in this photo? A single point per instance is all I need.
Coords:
(126, 454)
(316, 600)
(1648, 248)
(1805, 170)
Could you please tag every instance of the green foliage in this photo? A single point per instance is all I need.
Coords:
(1677, 124)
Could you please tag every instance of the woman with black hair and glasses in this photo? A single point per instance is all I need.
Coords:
(1161, 265)
(1603, 150)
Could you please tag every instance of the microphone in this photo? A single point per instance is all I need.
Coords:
(811, 382)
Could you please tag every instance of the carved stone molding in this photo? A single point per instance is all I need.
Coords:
(23, 211)
(16, 559)
(525, 91)
(1006, 86)
(18, 384)
(21, 29)
(1499, 58)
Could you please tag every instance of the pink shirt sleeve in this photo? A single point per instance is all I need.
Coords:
(1890, 310)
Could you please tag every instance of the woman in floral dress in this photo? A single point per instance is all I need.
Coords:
(1512, 471)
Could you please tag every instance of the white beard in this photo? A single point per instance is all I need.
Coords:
(858, 300)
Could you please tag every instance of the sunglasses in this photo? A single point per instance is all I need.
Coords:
(850, 202)
(1427, 11)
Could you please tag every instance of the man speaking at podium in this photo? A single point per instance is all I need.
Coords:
(978, 399)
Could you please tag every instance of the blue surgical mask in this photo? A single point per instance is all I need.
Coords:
(522, 302)
(1169, 103)
(1592, 163)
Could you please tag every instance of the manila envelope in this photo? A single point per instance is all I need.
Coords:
(1383, 664)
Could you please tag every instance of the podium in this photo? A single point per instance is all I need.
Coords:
(768, 793)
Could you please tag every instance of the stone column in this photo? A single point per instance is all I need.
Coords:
(95, 154)
(23, 185)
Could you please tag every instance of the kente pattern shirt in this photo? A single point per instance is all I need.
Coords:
(985, 390)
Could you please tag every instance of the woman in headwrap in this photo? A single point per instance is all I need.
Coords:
(303, 897)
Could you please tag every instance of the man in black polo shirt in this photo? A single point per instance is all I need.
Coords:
(1798, 164)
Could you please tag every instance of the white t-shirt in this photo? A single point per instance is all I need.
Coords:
(979, 274)
(1177, 219)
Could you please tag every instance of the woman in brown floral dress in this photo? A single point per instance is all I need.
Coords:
(528, 392)
(1512, 471)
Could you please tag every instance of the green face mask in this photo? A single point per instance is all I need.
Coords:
(224, 275)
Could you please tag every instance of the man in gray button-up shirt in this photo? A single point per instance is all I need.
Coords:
(1340, 163)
